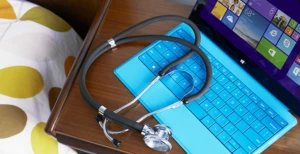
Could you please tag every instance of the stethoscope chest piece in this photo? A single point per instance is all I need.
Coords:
(159, 139)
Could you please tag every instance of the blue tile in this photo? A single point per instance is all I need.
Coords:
(273, 34)
(286, 44)
(294, 73)
(229, 19)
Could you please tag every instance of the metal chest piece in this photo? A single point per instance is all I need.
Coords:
(159, 138)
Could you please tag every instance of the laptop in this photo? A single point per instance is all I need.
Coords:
(253, 47)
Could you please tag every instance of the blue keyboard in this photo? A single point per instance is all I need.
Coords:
(233, 113)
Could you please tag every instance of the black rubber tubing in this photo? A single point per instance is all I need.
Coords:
(132, 125)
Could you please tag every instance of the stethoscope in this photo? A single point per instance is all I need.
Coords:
(158, 136)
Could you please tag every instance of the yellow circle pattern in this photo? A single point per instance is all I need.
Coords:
(20, 82)
(46, 18)
(42, 143)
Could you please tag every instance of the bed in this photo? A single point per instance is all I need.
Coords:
(37, 50)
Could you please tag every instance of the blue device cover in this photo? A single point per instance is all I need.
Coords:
(187, 130)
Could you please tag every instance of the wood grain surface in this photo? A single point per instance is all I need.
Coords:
(76, 125)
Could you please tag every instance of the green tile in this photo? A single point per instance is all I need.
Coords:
(271, 53)
(293, 23)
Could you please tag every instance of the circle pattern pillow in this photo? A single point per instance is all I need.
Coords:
(37, 50)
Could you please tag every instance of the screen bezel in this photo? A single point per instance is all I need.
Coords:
(244, 61)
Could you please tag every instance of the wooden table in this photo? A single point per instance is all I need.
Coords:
(73, 122)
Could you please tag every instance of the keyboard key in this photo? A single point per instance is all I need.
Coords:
(263, 105)
(189, 62)
(167, 43)
(210, 57)
(218, 103)
(217, 88)
(172, 59)
(237, 93)
(189, 73)
(242, 126)
(271, 124)
(216, 73)
(197, 81)
(196, 110)
(146, 59)
(160, 47)
(216, 129)
(280, 121)
(184, 84)
(240, 110)
(181, 67)
(252, 107)
(179, 53)
(200, 100)
(254, 98)
(222, 121)
(213, 81)
(224, 95)
(230, 128)
(210, 95)
(243, 142)
(222, 79)
(208, 121)
(190, 39)
(226, 110)
(206, 105)
(240, 151)
(260, 114)
(153, 67)
(271, 113)
(233, 103)
(254, 137)
(247, 91)
(239, 84)
(174, 48)
(195, 67)
(176, 35)
(234, 144)
(229, 147)
(229, 86)
(172, 84)
(224, 137)
(234, 118)
(257, 126)
(154, 55)
(224, 70)
(184, 48)
(231, 77)
(217, 64)
(177, 76)
(266, 134)
(202, 75)
(214, 113)
(249, 118)
(245, 101)
(182, 33)
(168, 54)
(163, 63)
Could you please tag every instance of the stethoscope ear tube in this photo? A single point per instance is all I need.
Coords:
(124, 122)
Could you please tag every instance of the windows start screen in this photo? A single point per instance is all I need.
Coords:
(264, 27)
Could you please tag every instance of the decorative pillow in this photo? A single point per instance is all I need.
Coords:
(37, 50)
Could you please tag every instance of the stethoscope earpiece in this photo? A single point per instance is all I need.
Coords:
(158, 139)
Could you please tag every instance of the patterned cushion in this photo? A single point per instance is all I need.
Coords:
(37, 50)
